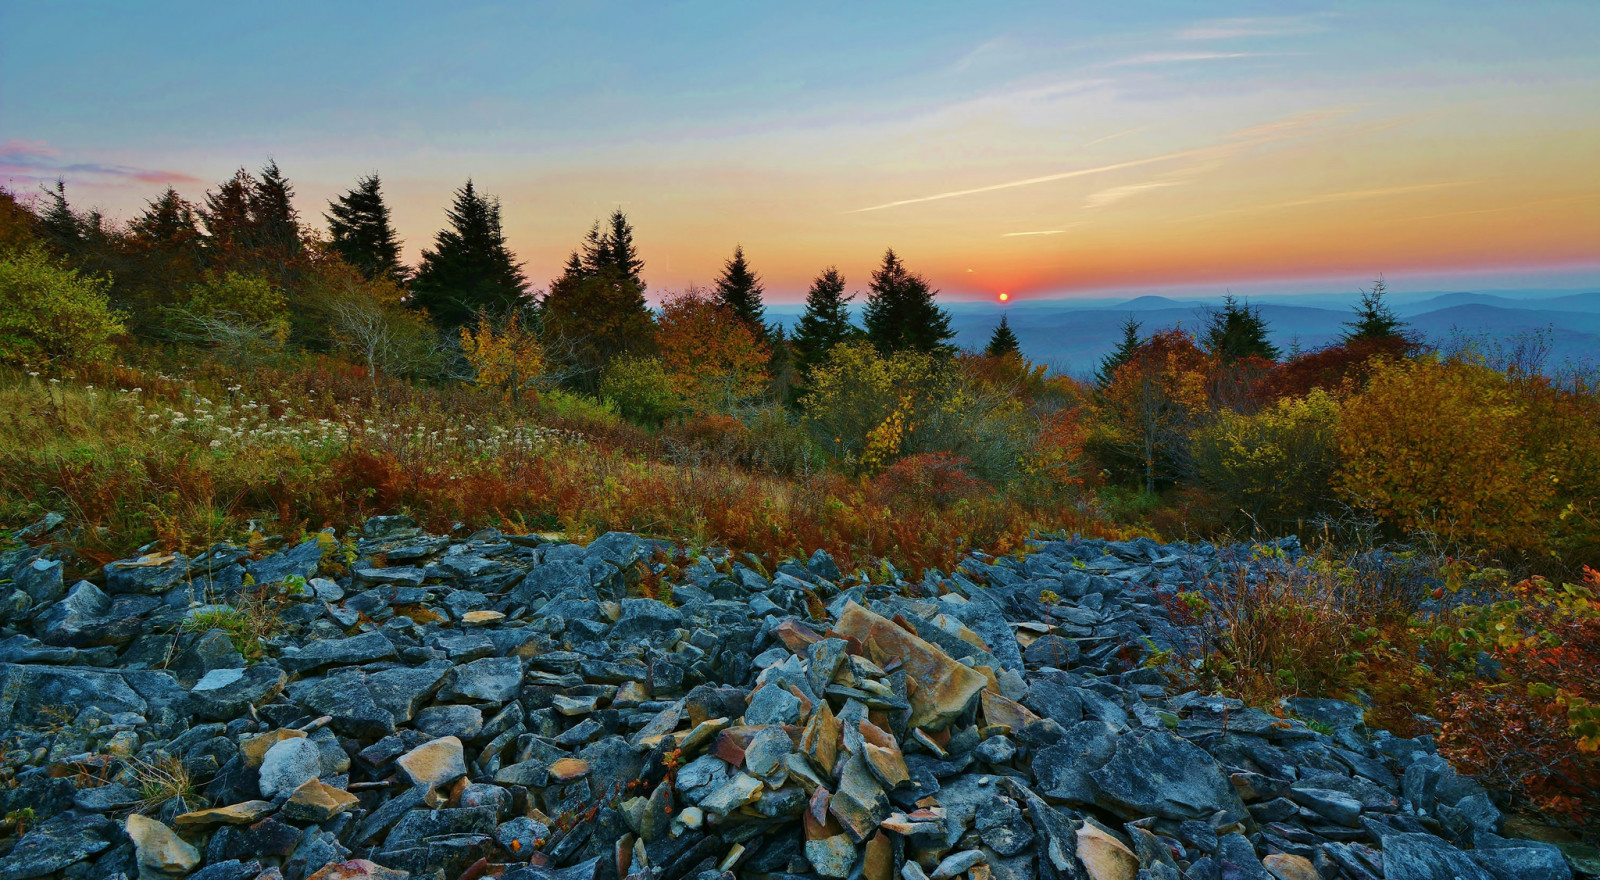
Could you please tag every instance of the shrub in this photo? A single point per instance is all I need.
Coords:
(505, 355)
(936, 477)
(1536, 731)
(641, 389)
(1152, 402)
(710, 355)
(51, 314)
(1276, 467)
(248, 300)
(856, 391)
(1465, 452)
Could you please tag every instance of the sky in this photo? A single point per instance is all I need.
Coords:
(1037, 149)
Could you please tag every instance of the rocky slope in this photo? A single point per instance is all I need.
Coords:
(488, 705)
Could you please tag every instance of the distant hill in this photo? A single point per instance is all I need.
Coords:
(1072, 335)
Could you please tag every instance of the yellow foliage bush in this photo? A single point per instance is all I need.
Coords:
(50, 314)
(238, 300)
(1275, 466)
(1482, 459)
(506, 355)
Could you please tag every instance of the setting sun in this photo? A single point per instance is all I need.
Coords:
(1004, 297)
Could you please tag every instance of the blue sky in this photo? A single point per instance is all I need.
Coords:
(1043, 148)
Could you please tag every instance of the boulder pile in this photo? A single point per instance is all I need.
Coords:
(465, 706)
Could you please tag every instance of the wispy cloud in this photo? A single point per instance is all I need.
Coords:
(1350, 196)
(1178, 58)
(1289, 127)
(1236, 28)
(1036, 232)
(36, 161)
(1118, 193)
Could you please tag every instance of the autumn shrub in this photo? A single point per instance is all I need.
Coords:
(712, 358)
(1534, 730)
(504, 354)
(934, 477)
(641, 388)
(1274, 467)
(1483, 459)
(1149, 406)
(1345, 365)
(52, 314)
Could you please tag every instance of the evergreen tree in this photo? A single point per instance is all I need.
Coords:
(167, 221)
(825, 322)
(226, 214)
(901, 312)
(61, 226)
(1004, 342)
(1238, 331)
(621, 253)
(360, 233)
(469, 269)
(1374, 318)
(274, 223)
(1124, 352)
(740, 290)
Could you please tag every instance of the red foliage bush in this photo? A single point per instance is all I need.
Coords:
(1329, 368)
(936, 477)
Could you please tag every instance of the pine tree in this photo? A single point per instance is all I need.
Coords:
(469, 269)
(825, 322)
(1004, 342)
(622, 254)
(1238, 331)
(1374, 318)
(226, 214)
(901, 312)
(167, 221)
(360, 233)
(60, 224)
(1123, 353)
(274, 223)
(740, 289)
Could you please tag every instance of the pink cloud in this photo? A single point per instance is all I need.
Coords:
(38, 161)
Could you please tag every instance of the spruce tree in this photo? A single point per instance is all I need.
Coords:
(1238, 331)
(60, 224)
(360, 232)
(226, 215)
(1374, 318)
(274, 223)
(901, 312)
(167, 221)
(1004, 342)
(1124, 352)
(825, 322)
(469, 268)
(621, 253)
(740, 290)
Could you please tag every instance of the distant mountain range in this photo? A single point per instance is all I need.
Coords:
(1072, 335)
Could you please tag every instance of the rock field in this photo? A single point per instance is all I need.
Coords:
(485, 705)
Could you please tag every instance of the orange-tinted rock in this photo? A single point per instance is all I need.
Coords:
(944, 687)
(568, 769)
(886, 764)
(1007, 712)
(1104, 856)
(821, 739)
(878, 861)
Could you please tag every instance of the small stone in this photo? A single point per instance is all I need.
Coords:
(434, 763)
(254, 748)
(1283, 866)
(234, 814)
(481, 618)
(996, 750)
(956, 864)
(832, 856)
(733, 794)
(316, 801)
(569, 769)
(160, 853)
(574, 706)
(288, 765)
(358, 869)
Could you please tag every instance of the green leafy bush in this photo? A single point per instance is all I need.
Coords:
(641, 388)
(1275, 466)
(52, 314)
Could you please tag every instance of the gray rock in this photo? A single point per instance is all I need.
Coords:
(1425, 857)
(1062, 770)
(354, 651)
(646, 619)
(227, 693)
(1160, 774)
(772, 705)
(42, 580)
(288, 765)
(490, 680)
(147, 574)
(59, 842)
(298, 561)
(462, 722)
